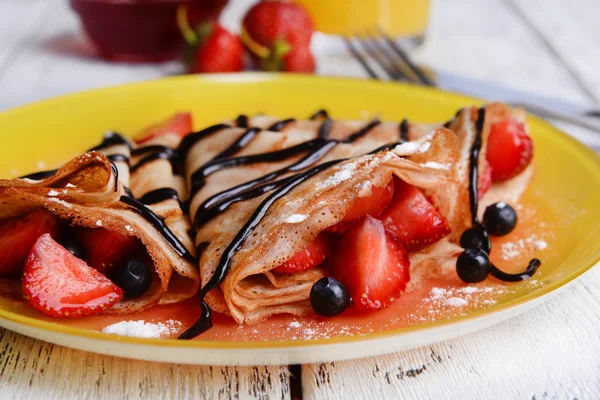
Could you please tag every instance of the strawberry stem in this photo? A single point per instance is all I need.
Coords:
(258, 49)
(184, 26)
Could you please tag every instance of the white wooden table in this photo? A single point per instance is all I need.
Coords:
(550, 47)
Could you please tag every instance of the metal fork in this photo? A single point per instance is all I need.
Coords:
(398, 66)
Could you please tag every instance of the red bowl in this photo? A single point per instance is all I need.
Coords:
(141, 30)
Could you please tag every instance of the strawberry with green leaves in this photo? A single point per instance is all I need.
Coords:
(211, 47)
(278, 34)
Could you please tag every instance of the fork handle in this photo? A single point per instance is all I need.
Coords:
(560, 116)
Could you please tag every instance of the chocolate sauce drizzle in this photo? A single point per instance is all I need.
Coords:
(280, 125)
(322, 113)
(473, 165)
(219, 202)
(158, 195)
(156, 153)
(535, 263)
(37, 176)
(532, 268)
(204, 322)
(404, 130)
(242, 121)
(160, 226)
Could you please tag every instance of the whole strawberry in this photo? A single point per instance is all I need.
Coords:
(278, 34)
(212, 48)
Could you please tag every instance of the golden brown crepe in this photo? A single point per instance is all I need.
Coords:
(437, 162)
(87, 192)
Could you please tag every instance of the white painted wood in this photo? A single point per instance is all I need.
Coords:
(487, 40)
(32, 369)
(551, 352)
(571, 30)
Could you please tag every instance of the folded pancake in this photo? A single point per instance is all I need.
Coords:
(151, 174)
(89, 192)
(228, 191)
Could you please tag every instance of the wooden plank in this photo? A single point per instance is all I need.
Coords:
(18, 18)
(570, 30)
(486, 40)
(551, 352)
(32, 369)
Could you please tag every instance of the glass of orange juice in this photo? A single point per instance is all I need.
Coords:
(396, 17)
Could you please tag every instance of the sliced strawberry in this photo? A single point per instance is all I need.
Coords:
(509, 149)
(178, 124)
(412, 219)
(311, 256)
(371, 265)
(106, 248)
(485, 181)
(17, 236)
(58, 284)
(372, 205)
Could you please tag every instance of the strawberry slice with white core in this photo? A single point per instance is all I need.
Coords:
(371, 265)
(311, 256)
(17, 236)
(58, 284)
(412, 219)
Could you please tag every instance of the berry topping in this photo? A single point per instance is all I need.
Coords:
(58, 284)
(215, 49)
(312, 255)
(372, 205)
(412, 219)
(74, 247)
(476, 237)
(485, 181)
(500, 218)
(509, 149)
(278, 34)
(473, 265)
(105, 248)
(178, 124)
(328, 297)
(371, 265)
(133, 277)
(17, 236)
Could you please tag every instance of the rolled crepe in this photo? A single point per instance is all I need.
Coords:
(251, 291)
(436, 162)
(88, 192)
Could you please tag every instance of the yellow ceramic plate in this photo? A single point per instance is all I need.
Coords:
(45, 134)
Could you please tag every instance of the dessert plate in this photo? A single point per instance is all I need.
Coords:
(560, 208)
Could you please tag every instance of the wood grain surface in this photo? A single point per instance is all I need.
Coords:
(550, 47)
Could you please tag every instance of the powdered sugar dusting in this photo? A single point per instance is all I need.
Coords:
(295, 218)
(98, 223)
(511, 250)
(408, 148)
(52, 193)
(143, 329)
(59, 201)
(435, 165)
(455, 302)
(344, 173)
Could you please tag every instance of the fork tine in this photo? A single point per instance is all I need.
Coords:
(382, 59)
(359, 57)
(400, 52)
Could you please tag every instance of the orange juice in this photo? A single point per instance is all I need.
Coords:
(396, 17)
